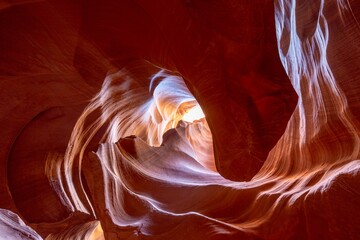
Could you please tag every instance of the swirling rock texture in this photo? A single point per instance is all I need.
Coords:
(99, 140)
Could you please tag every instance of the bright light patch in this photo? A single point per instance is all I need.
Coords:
(193, 114)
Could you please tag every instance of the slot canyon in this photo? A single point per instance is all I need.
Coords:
(180, 119)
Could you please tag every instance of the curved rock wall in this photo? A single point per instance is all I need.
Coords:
(97, 142)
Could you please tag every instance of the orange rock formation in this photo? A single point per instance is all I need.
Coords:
(99, 134)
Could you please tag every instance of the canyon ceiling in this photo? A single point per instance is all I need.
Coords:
(99, 138)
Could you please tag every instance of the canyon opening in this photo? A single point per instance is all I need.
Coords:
(180, 119)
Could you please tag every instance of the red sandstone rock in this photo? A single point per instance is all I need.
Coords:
(95, 143)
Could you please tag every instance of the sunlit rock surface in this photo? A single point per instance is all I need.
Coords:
(180, 119)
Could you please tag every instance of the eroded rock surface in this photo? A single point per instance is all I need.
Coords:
(97, 141)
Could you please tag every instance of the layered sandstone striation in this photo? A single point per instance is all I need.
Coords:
(98, 139)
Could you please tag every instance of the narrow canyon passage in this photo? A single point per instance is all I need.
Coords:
(181, 119)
